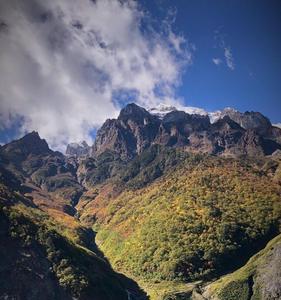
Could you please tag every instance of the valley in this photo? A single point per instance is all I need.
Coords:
(177, 203)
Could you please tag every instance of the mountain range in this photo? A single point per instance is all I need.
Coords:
(165, 204)
(226, 132)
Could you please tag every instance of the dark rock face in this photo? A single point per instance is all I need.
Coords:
(33, 167)
(234, 134)
(129, 135)
(30, 161)
(250, 120)
(275, 134)
(113, 136)
(229, 138)
(177, 126)
(29, 144)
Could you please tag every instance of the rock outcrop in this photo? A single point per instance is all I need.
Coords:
(133, 131)
(40, 172)
(77, 149)
(259, 279)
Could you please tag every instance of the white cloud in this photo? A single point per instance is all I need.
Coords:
(229, 58)
(63, 61)
(217, 61)
(277, 125)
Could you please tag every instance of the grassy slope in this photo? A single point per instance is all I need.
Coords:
(236, 284)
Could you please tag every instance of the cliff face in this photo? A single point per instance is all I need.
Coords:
(233, 134)
(76, 150)
(129, 135)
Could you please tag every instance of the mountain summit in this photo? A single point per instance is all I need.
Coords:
(77, 149)
(232, 133)
(29, 144)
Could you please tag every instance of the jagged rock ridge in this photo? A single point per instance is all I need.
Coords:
(233, 133)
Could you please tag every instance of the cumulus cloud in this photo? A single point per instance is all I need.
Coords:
(66, 63)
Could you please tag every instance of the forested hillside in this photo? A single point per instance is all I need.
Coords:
(142, 215)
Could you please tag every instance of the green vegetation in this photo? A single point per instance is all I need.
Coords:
(169, 219)
(151, 164)
(50, 255)
(202, 217)
(137, 173)
(249, 281)
(234, 290)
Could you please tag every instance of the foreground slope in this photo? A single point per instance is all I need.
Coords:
(260, 278)
(41, 258)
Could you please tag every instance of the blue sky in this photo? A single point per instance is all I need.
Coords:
(67, 65)
(252, 29)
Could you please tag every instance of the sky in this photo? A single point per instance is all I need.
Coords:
(66, 65)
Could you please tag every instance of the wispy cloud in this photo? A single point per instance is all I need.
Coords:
(229, 58)
(63, 63)
(217, 61)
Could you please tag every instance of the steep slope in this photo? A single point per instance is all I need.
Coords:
(247, 120)
(129, 135)
(44, 244)
(42, 258)
(259, 279)
(46, 176)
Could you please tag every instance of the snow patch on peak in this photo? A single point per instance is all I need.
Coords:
(194, 110)
(219, 114)
(162, 109)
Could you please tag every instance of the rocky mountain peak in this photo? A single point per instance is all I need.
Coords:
(175, 116)
(226, 123)
(248, 120)
(31, 143)
(134, 113)
(77, 149)
(129, 134)
(137, 129)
